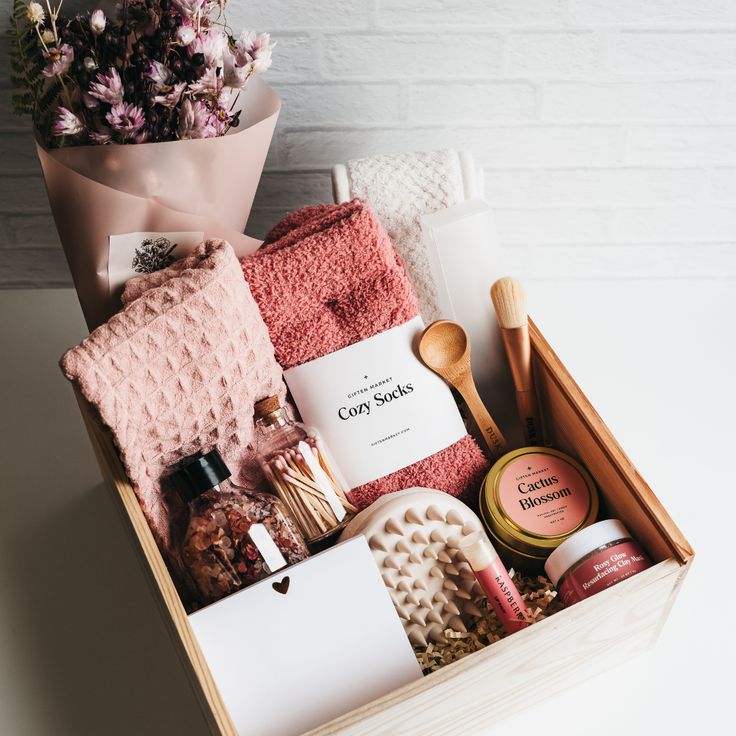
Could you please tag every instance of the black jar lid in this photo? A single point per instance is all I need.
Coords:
(199, 473)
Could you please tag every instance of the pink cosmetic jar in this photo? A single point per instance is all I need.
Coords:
(594, 559)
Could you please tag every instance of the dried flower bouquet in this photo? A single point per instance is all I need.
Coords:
(163, 70)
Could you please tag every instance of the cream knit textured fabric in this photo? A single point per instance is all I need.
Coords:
(400, 188)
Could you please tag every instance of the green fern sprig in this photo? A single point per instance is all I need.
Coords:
(30, 96)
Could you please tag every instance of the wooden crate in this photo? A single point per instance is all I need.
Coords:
(545, 658)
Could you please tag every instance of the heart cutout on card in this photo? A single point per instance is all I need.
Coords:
(282, 587)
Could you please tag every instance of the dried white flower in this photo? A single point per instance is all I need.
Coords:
(260, 51)
(188, 8)
(67, 123)
(89, 64)
(35, 13)
(48, 36)
(185, 35)
(159, 74)
(97, 22)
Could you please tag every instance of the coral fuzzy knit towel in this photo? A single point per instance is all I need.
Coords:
(327, 278)
(178, 370)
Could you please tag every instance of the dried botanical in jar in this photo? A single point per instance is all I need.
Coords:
(235, 537)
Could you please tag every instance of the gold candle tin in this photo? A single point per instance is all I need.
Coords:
(533, 499)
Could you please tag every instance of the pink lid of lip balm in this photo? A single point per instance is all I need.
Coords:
(478, 551)
(495, 581)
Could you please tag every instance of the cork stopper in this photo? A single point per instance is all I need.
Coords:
(267, 406)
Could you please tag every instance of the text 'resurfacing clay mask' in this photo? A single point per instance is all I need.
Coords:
(533, 499)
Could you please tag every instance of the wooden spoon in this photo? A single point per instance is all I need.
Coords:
(445, 349)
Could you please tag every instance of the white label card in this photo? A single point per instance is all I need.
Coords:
(377, 406)
(133, 254)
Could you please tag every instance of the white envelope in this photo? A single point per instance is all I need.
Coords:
(287, 662)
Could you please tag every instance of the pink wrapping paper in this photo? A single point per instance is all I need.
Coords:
(195, 185)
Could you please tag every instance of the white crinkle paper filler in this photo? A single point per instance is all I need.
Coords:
(414, 536)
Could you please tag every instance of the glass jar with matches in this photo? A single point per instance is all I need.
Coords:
(301, 471)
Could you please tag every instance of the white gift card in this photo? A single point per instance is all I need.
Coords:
(376, 404)
(134, 254)
(306, 645)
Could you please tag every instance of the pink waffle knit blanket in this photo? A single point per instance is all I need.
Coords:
(327, 278)
(178, 370)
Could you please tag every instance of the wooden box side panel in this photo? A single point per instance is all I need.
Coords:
(531, 665)
(574, 426)
(167, 595)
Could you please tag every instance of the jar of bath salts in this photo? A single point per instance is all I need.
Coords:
(594, 559)
(235, 537)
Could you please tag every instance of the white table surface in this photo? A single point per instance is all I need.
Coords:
(83, 649)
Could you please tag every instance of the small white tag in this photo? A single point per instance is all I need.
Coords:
(267, 547)
(133, 254)
(377, 406)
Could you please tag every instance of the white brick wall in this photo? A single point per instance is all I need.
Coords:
(606, 128)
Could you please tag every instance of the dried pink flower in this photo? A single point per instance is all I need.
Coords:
(170, 96)
(208, 84)
(185, 34)
(100, 135)
(256, 49)
(236, 70)
(127, 119)
(58, 60)
(210, 43)
(260, 51)
(188, 8)
(194, 120)
(108, 88)
(159, 74)
(140, 137)
(219, 120)
(67, 123)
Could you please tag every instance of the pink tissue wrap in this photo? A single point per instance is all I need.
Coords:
(178, 370)
(328, 277)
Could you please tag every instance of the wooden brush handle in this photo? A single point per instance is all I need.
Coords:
(492, 436)
(531, 420)
(519, 353)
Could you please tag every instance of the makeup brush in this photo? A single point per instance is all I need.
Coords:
(509, 302)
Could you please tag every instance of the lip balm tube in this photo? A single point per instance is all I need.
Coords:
(494, 579)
